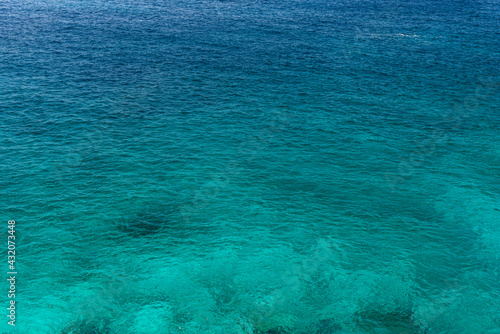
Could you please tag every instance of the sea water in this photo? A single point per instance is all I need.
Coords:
(251, 167)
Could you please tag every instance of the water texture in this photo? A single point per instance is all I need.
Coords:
(252, 167)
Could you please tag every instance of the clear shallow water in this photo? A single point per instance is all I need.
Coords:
(252, 167)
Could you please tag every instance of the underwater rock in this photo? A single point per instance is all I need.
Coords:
(279, 330)
(327, 326)
(87, 327)
(397, 321)
(147, 224)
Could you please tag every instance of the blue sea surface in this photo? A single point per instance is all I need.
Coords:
(251, 167)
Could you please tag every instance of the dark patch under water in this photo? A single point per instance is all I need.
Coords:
(87, 327)
(147, 224)
(151, 223)
(396, 321)
(327, 326)
(279, 330)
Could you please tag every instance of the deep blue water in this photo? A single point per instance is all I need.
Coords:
(252, 167)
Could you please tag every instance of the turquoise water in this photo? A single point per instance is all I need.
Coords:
(251, 167)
